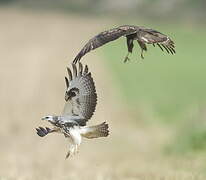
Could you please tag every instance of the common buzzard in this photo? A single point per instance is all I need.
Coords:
(142, 34)
(81, 100)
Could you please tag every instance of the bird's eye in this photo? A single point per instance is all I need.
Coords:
(72, 94)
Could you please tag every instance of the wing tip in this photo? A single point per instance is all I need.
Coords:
(42, 131)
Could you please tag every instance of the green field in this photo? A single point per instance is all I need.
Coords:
(169, 84)
(170, 88)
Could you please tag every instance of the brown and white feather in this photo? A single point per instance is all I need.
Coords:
(142, 34)
(83, 102)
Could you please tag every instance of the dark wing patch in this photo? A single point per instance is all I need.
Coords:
(80, 96)
(103, 38)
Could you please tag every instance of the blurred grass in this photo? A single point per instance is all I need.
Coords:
(170, 85)
(37, 66)
(189, 135)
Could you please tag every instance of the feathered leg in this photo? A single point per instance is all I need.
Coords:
(74, 138)
(76, 149)
(73, 149)
(142, 53)
(143, 47)
(130, 46)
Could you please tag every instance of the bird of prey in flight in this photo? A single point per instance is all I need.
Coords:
(142, 34)
(81, 100)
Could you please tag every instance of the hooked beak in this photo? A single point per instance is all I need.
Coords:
(44, 118)
(67, 97)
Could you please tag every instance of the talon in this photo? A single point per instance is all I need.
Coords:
(68, 154)
(126, 59)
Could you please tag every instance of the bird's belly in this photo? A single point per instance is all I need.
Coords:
(75, 135)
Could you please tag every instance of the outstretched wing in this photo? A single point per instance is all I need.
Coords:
(80, 96)
(141, 34)
(103, 38)
(150, 36)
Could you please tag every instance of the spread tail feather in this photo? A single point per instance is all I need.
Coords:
(100, 130)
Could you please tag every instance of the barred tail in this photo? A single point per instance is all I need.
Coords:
(100, 130)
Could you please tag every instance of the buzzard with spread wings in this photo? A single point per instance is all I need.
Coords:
(81, 100)
(141, 34)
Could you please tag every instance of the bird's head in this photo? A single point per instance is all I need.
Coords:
(55, 120)
(73, 92)
(49, 118)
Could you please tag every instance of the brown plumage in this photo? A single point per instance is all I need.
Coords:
(141, 34)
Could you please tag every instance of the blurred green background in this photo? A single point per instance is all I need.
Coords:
(161, 93)
(167, 11)
(171, 87)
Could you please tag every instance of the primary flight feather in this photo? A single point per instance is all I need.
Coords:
(142, 34)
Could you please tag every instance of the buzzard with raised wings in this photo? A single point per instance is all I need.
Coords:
(81, 100)
(142, 34)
